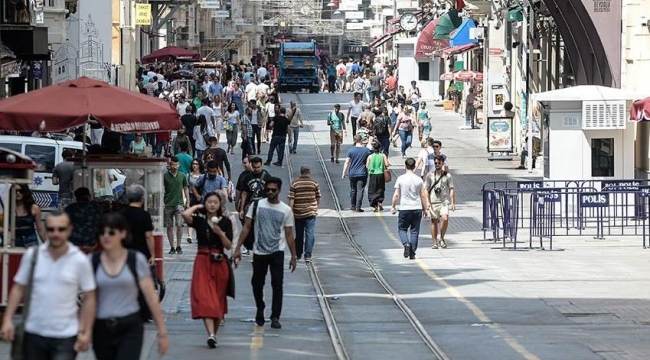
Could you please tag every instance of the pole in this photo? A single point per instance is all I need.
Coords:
(529, 28)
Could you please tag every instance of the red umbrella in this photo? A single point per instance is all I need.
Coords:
(640, 110)
(465, 75)
(171, 53)
(448, 76)
(72, 103)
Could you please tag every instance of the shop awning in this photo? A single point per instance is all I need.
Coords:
(462, 35)
(455, 50)
(516, 14)
(427, 43)
(446, 24)
(382, 39)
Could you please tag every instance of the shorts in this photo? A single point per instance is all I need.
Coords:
(173, 216)
(437, 210)
(336, 137)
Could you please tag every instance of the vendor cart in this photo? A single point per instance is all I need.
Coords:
(98, 171)
(15, 169)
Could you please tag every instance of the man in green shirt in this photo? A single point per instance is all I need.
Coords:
(184, 159)
(337, 131)
(176, 197)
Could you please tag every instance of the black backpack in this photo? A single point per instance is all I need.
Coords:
(380, 125)
(145, 313)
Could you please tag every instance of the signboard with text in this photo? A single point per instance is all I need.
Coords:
(143, 14)
(500, 134)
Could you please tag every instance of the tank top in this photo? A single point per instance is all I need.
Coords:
(376, 164)
(25, 225)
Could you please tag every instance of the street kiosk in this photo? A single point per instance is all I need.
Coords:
(589, 133)
(97, 172)
(15, 169)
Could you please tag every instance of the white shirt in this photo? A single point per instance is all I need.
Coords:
(340, 68)
(262, 72)
(54, 311)
(262, 88)
(270, 222)
(182, 108)
(208, 113)
(410, 186)
(356, 108)
(200, 140)
(251, 91)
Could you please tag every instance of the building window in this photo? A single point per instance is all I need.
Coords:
(423, 71)
(50, 3)
(602, 157)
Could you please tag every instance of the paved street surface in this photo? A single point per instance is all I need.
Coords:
(590, 301)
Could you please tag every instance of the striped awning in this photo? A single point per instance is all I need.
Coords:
(5, 52)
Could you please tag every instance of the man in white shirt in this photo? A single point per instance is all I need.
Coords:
(276, 220)
(54, 328)
(413, 202)
(262, 72)
(251, 90)
(355, 109)
(262, 88)
(208, 112)
(182, 105)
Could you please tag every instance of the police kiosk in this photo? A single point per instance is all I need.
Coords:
(15, 169)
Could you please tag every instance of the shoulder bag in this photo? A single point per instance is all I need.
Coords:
(250, 239)
(18, 345)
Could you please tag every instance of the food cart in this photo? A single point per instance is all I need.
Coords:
(97, 172)
(15, 169)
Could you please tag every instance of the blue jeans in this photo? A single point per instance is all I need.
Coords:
(294, 134)
(45, 348)
(407, 139)
(384, 141)
(305, 238)
(357, 185)
(409, 220)
(277, 142)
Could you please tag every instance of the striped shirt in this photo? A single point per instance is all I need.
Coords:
(304, 192)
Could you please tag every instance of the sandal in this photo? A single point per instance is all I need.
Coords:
(435, 245)
(443, 244)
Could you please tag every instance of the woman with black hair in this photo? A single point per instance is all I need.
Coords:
(28, 219)
(210, 277)
(199, 135)
(118, 332)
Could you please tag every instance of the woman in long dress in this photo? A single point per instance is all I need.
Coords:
(211, 270)
(377, 164)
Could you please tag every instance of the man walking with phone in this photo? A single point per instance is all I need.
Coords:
(272, 222)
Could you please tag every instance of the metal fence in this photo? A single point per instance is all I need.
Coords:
(542, 210)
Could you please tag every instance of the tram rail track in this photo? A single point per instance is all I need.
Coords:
(332, 327)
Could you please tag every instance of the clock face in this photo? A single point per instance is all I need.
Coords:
(408, 22)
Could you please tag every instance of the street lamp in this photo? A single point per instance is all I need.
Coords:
(331, 4)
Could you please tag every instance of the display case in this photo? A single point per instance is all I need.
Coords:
(15, 169)
(107, 178)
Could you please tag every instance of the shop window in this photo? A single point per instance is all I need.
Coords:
(423, 71)
(602, 157)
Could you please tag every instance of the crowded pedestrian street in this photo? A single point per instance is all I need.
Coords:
(359, 298)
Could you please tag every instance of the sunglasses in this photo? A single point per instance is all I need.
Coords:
(436, 146)
(109, 232)
(56, 229)
(271, 190)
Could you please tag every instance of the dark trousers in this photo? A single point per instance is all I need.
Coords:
(374, 94)
(261, 265)
(257, 134)
(305, 236)
(384, 141)
(118, 339)
(331, 83)
(45, 348)
(357, 186)
(277, 142)
(353, 120)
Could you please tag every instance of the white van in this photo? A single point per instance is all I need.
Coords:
(46, 153)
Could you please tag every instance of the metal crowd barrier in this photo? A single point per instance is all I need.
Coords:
(545, 209)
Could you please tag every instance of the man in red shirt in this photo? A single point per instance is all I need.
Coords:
(391, 81)
(162, 142)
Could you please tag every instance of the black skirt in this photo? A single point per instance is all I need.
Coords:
(376, 189)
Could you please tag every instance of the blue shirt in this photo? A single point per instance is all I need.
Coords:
(331, 70)
(358, 156)
(207, 185)
(355, 68)
(215, 89)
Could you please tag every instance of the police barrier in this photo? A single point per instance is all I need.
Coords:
(584, 208)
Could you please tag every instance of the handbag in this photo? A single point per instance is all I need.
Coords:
(18, 345)
(388, 177)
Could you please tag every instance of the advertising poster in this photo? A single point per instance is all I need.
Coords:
(500, 134)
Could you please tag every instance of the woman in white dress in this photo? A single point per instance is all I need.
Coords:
(218, 116)
(233, 122)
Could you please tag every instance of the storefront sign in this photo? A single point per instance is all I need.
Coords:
(495, 52)
(500, 134)
(594, 200)
(143, 14)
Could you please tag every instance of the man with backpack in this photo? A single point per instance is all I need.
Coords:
(251, 187)
(382, 130)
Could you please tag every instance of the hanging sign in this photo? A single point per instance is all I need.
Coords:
(143, 14)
